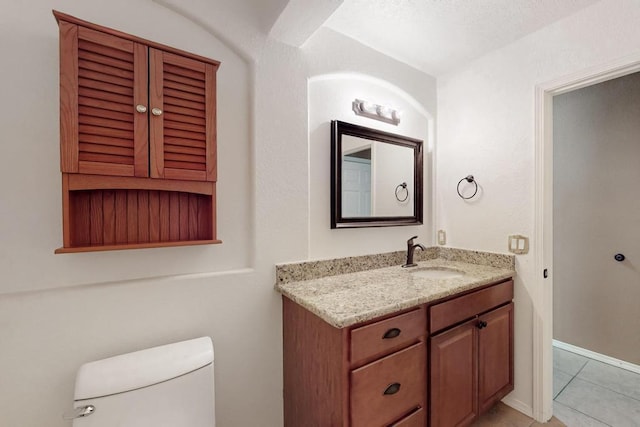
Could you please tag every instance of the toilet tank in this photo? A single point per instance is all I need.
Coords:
(166, 386)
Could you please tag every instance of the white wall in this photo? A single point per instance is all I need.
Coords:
(57, 312)
(595, 215)
(485, 128)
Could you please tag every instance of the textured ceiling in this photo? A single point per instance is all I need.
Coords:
(436, 36)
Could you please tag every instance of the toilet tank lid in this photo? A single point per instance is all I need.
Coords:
(142, 368)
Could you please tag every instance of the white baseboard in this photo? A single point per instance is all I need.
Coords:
(597, 356)
(518, 405)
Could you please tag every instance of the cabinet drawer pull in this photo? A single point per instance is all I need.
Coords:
(392, 389)
(391, 333)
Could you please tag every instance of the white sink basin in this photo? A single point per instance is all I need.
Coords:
(437, 273)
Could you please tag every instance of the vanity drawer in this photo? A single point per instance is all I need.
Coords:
(385, 390)
(386, 335)
(465, 307)
(417, 418)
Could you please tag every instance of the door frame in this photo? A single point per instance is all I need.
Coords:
(543, 222)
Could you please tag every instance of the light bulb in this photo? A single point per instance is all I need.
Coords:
(368, 107)
(385, 112)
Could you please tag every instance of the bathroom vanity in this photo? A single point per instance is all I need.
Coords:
(431, 345)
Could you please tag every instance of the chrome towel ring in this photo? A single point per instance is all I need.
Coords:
(469, 179)
(406, 192)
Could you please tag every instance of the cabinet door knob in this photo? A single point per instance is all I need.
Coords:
(481, 324)
(141, 108)
(392, 389)
(619, 257)
(156, 111)
(391, 333)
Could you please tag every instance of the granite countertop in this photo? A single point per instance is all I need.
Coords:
(346, 299)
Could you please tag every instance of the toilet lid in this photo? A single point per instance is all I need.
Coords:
(142, 368)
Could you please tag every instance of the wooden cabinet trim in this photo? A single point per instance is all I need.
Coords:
(102, 38)
(456, 310)
(368, 342)
(60, 16)
(66, 221)
(101, 182)
(68, 97)
(99, 168)
(140, 120)
(211, 120)
(156, 123)
(102, 247)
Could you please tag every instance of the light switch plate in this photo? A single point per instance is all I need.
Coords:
(518, 244)
(442, 237)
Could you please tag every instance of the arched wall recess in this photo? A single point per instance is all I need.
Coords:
(182, 9)
(330, 98)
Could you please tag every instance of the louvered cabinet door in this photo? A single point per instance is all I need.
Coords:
(182, 102)
(103, 79)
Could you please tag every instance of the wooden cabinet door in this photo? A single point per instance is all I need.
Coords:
(102, 80)
(495, 356)
(454, 376)
(182, 98)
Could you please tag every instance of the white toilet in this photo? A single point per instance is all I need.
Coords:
(166, 386)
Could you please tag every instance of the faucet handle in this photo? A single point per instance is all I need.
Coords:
(410, 241)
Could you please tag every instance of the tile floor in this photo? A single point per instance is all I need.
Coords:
(590, 393)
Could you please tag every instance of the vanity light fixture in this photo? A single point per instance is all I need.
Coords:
(375, 111)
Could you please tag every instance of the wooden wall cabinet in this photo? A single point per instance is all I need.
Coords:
(137, 141)
(471, 363)
(375, 374)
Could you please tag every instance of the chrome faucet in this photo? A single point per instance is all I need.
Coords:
(411, 247)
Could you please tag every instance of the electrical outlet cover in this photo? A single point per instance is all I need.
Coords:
(518, 244)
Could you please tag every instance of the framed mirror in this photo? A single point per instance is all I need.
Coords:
(376, 177)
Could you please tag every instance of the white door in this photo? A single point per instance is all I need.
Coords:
(356, 187)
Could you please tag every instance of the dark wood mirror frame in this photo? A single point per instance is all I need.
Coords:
(338, 129)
